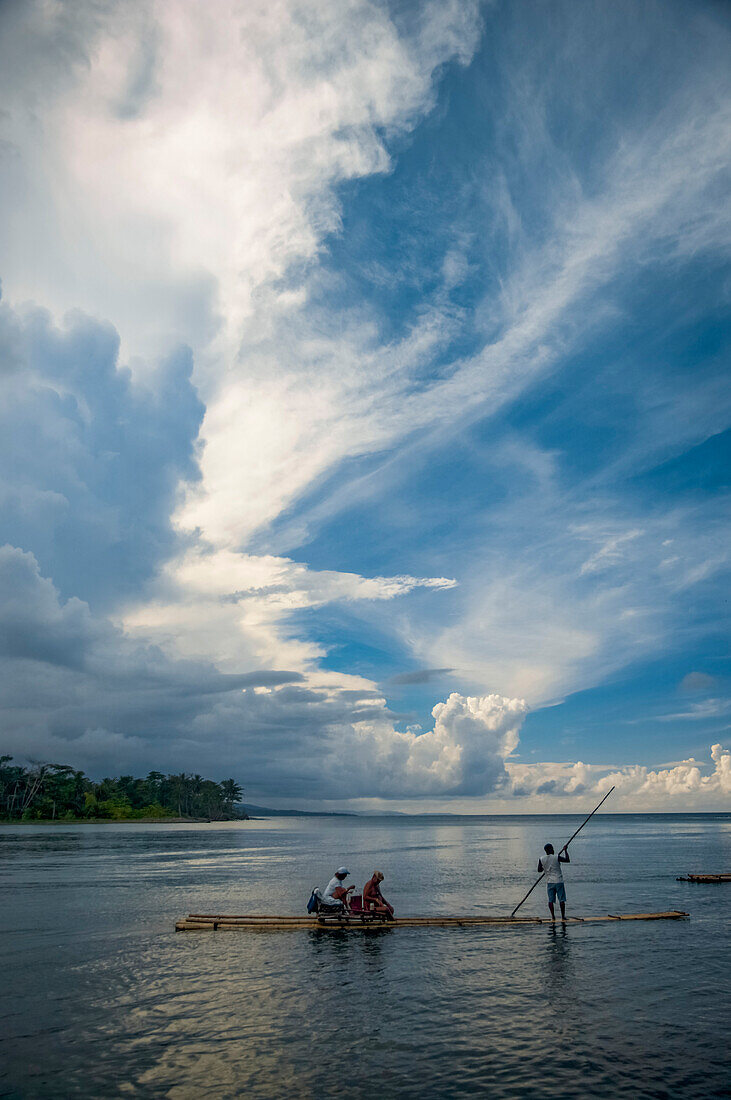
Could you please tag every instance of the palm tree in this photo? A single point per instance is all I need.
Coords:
(232, 792)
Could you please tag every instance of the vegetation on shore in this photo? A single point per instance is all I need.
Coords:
(58, 792)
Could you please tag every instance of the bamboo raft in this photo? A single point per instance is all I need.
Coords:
(217, 922)
(705, 878)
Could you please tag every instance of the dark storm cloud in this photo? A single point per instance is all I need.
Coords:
(91, 460)
(73, 686)
(68, 675)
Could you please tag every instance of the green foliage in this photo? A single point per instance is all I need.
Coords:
(58, 792)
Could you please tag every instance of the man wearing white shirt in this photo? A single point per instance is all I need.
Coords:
(335, 894)
(550, 864)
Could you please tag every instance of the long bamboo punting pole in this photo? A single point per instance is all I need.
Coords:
(273, 924)
(583, 823)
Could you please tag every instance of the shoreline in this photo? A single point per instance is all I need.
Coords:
(126, 821)
(355, 816)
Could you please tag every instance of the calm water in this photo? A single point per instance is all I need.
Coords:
(100, 998)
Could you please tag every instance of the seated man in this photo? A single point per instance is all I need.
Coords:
(373, 899)
(335, 895)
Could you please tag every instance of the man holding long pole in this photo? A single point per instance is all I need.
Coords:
(550, 865)
(560, 859)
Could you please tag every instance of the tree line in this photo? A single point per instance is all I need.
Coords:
(58, 792)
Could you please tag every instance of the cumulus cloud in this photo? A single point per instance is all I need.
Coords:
(687, 785)
(463, 754)
(90, 460)
(345, 749)
(685, 782)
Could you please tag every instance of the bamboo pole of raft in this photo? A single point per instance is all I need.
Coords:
(355, 921)
(245, 916)
(583, 823)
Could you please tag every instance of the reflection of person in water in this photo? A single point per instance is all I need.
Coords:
(559, 974)
(550, 864)
(373, 899)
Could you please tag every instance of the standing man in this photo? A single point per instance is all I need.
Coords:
(550, 864)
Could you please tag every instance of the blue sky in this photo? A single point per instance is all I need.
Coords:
(367, 414)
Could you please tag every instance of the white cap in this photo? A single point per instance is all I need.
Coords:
(342, 871)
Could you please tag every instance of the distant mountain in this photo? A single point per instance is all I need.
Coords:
(268, 811)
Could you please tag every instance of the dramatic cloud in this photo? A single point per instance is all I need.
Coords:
(90, 461)
(233, 607)
(67, 673)
(464, 754)
(76, 687)
(195, 158)
(75, 684)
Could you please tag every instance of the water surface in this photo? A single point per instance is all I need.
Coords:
(99, 997)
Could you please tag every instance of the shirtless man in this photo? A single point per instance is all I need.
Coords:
(373, 899)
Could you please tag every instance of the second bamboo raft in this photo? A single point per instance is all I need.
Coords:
(723, 877)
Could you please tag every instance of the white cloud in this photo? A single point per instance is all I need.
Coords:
(709, 708)
(526, 621)
(463, 754)
(248, 195)
(225, 169)
(350, 396)
(679, 782)
(608, 553)
(176, 149)
(232, 608)
(683, 786)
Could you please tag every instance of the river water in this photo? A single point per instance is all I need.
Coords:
(100, 998)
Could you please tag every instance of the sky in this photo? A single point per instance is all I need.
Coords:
(365, 422)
